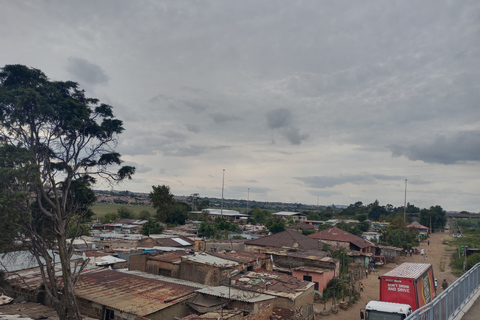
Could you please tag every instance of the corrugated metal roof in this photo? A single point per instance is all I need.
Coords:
(205, 258)
(182, 242)
(130, 293)
(235, 294)
(408, 270)
(288, 238)
(337, 234)
(288, 213)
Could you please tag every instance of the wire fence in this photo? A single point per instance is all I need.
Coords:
(452, 300)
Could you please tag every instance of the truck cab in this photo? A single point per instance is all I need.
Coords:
(379, 310)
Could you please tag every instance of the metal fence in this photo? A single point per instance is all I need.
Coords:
(451, 301)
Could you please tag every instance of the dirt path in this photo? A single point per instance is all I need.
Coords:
(436, 255)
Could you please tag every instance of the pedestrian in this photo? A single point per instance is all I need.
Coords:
(435, 285)
(361, 286)
(425, 257)
(444, 284)
(428, 242)
(406, 251)
(366, 273)
(411, 252)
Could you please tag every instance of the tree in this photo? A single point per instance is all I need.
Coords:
(435, 217)
(151, 227)
(177, 214)
(276, 224)
(109, 217)
(61, 138)
(162, 200)
(125, 213)
(144, 215)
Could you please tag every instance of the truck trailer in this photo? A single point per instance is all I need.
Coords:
(409, 283)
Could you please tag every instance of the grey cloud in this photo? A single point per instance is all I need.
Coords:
(321, 182)
(87, 72)
(293, 135)
(460, 147)
(222, 117)
(192, 128)
(279, 118)
(187, 151)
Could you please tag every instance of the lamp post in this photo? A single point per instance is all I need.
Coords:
(223, 183)
(248, 197)
(405, 203)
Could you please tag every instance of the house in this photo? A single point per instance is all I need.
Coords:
(253, 306)
(219, 245)
(421, 230)
(390, 253)
(303, 225)
(371, 236)
(320, 277)
(165, 263)
(232, 215)
(287, 260)
(205, 268)
(248, 260)
(294, 297)
(288, 239)
(166, 241)
(295, 216)
(337, 238)
(110, 294)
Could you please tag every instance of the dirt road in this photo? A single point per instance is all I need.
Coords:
(436, 255)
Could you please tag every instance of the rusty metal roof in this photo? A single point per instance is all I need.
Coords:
(130, 293)
(236, 294)
(288, 238)
(272, 283)
(239, 256)
(337, 234)
(168, 256)
(208, 259)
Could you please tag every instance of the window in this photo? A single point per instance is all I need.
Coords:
(165, 272)
(307, 278)
(109, 314)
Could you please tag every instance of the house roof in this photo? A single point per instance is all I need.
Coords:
(417, 226)
(235, 294)
(339, 235)
(130, 293)
(288, 213)
(239, 256)
(208, 259)
(272, 283)
(288, 238)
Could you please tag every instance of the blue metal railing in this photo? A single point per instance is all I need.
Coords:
(451, 301)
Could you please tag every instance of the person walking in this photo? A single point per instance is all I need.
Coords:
(425, 257)
(444, 284)
(411, 252)
(361, 286)
(366, 273)
(435, 285)
(428, 242)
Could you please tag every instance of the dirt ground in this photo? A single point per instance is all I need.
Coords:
(436, 255)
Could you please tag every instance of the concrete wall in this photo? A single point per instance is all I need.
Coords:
(205, 274)
(138, 262)
(321, 278)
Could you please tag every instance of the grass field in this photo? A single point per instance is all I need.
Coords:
(100, 209)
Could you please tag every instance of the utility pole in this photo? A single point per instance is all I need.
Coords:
(223, 184)
(405, 203)
(248, 197)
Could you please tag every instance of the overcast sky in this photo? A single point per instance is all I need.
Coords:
(327, 102)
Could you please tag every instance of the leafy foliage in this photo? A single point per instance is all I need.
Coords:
(151, 227)
(54, 143)
(435, 217)
(125, 213)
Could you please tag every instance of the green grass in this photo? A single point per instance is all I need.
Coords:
(100, 209)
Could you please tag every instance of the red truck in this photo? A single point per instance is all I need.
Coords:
(409, 283)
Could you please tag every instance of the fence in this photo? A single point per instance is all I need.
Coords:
(451, 301)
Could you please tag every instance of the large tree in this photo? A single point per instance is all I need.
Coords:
(434, 218)
(162, 200)
(54, 143)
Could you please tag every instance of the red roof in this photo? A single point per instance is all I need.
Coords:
(336, 234)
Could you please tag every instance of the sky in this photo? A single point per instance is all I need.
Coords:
(314, 102)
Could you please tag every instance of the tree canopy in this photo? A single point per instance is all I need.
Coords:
(54, 143)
